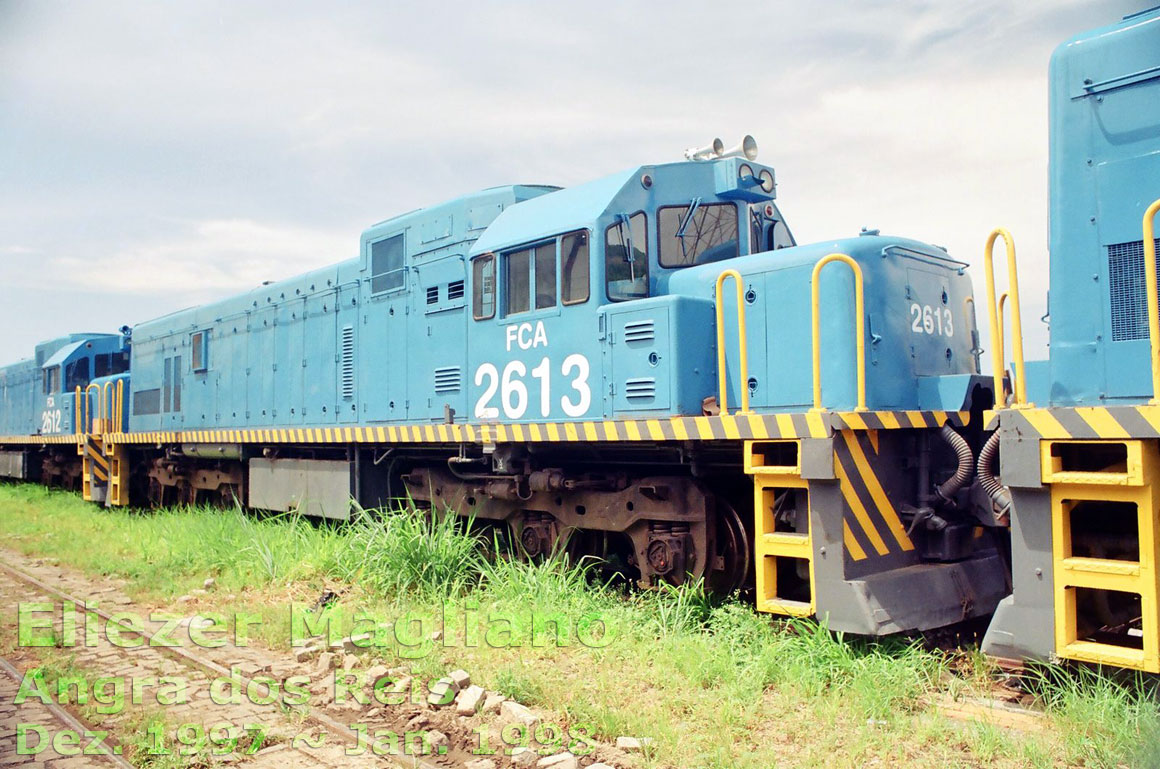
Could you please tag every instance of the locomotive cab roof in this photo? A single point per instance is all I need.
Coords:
(639, 188)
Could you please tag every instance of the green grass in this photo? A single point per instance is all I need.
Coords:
(712, 682)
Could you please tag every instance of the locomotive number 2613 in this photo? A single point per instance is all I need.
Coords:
(512, 385)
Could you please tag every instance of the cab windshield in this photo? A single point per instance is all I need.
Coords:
(697, 233)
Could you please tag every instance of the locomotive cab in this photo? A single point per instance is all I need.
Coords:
(73, 365)
(636, 256)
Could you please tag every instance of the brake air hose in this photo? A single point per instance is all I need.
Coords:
(999, 494)
(966, 467)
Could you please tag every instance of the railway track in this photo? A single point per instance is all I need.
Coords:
(29, 717)
(302, 738)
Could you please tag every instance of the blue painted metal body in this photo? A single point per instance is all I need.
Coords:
(395, 334)
(1104, 172)
(323, 348)
(37, 397)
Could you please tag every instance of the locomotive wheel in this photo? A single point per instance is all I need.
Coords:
(733, 551)
(155, 495)
(186, 494)
(227, 495)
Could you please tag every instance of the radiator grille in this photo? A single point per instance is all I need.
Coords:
(639, 331)
(347, 364)
(448, 379)
(642, 387)
(1126, 290)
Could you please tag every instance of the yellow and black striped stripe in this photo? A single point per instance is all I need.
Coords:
(1082, 422)
(731, 427)
(41, 440)
(873, 525)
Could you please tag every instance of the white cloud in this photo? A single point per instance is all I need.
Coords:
(172, 153)
(218, 256)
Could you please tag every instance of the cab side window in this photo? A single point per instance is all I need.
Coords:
(546, 275)
(626, 258)
(517, 282)
(76, 374)
(575, 267)
(483, 287)
(530, 279)
(52, 380)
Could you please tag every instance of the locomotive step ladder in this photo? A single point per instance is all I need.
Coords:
(1105, 550)
(104, 466)
(783, 547)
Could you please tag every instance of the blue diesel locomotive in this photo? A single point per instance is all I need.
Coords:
(649, 368)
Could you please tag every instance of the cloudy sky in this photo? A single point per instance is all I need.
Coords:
(157, 155)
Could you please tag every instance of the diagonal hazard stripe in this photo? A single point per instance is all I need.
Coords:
(1102, 422)
(1044, 423)
(852, 547)
(877, 493)
(889, 420)
(856, 506)
(1151, 415)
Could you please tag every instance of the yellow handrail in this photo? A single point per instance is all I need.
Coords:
(1150, 293)
(860, 336)
(998, 365)
(120, 406)
(91, 386)
(107, 406)
(1002, 336)
(77, 417)
(744, 386)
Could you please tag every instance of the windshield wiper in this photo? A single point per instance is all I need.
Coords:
(694, 204)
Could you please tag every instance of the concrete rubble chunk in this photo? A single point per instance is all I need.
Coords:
(357, 642)
(632, 744)
(514, 711)
(306, 653)
(251, 669)
(461, 678)
(325, 662)
(375, 672)
(349, 662)
(209, 583)
(480, 763)
(523, 757)
(493, 702)
(443, 692)
(470, 700)
(601, 766)
(563, 760)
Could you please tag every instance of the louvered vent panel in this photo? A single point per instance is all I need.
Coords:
(643, 387)
(1126, 290)
(347, 363)
(639, 331)
(448, 379)
(455, 289)
(432, 294)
